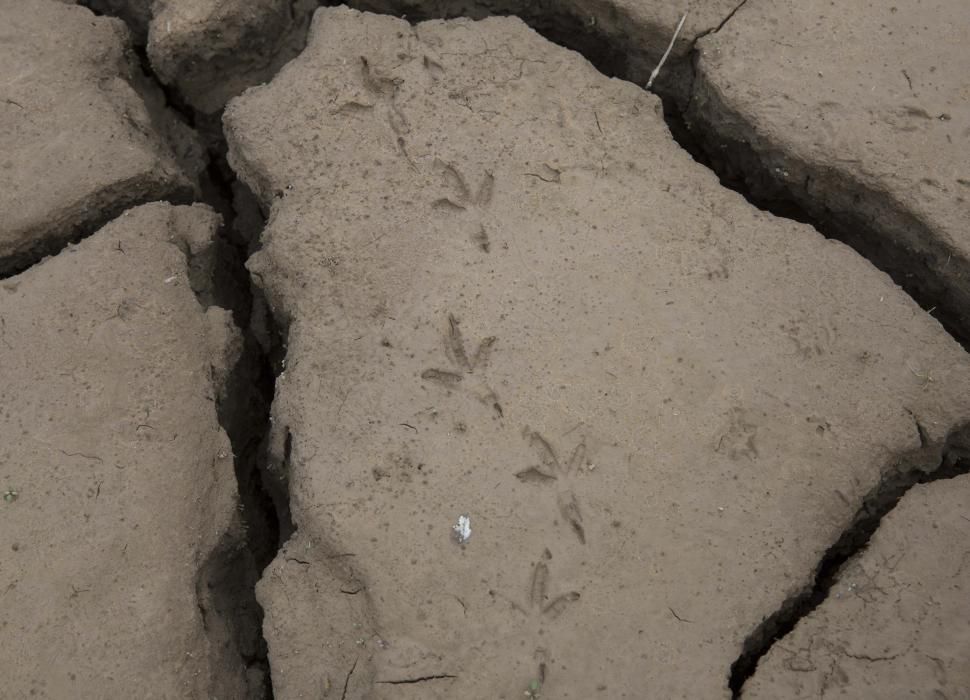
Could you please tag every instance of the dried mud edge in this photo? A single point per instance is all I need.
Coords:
(87, 215)
(834, 200)
(94, 215)
(226, 583)
(617, 46)
(226, 588)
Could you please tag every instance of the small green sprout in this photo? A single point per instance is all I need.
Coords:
(10, 495)
(534, 690)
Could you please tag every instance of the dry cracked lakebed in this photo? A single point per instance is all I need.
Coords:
(383, 357)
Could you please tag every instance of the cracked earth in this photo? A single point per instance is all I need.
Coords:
(287, 288)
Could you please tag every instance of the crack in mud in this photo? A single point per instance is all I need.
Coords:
(343, 695)
(881, 500)
(115, 197)
(903, 245)
(724, 21)
(712, 30)
(17, 263)
(420, 679)
(245, 415)
(225, 588)
(907, 249)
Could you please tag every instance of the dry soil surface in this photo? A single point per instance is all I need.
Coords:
(510, 295)
(78, 144)
(555, 413)
(895, 623)
(118, 480)
(859, 113)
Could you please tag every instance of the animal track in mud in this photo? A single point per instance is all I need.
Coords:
(383, 90)
(539, 597)
(539, 603)
(464, 364)
(738, 439)
(551, 470)
(812, 337)
(463, 199)
(541, 606)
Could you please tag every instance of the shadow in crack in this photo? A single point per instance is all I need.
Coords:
(954, 461)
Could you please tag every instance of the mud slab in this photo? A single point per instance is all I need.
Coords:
(79, 144)
(895, 623)
(118, 481)
(509, 295)
(859, 114)
(213, 50)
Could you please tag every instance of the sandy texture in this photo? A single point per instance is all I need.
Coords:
(510, 295)
(861, 112)
(78, 144)
(894, 625)
(117, 479)
(211, 50)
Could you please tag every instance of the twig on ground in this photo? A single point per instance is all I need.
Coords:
(663, 59)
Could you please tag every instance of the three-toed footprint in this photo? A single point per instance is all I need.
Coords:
(551, 471)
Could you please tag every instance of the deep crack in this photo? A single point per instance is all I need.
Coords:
(57, 241)
(245, 415)
(881, 500)
(231, 615)
(903, 245)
